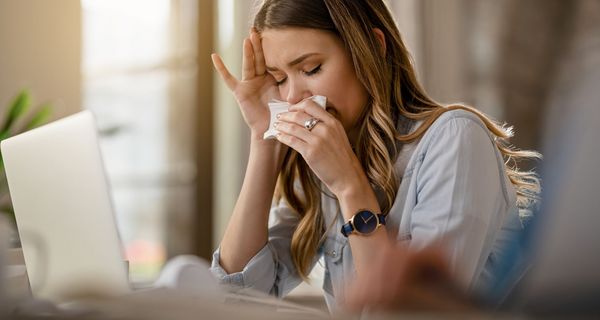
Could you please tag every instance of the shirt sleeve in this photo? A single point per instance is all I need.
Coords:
(271, 270)
(460, 196)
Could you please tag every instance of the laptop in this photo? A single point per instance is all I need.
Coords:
(67, 226)
(64, 211)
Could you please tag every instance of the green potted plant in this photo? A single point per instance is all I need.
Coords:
(18, 120)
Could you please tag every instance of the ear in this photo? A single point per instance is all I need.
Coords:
(381, 38)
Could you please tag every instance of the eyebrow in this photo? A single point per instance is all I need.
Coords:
(295, 61)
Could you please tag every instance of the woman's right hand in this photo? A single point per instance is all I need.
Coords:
(255, 89)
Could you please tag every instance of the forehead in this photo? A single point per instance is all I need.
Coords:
(280, 46)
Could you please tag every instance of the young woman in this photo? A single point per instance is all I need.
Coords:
(382, 161)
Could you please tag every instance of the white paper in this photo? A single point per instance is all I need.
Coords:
(276, 107)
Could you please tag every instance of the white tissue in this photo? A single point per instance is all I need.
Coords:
(276, 107)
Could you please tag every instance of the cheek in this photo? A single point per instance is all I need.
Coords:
(348, 97)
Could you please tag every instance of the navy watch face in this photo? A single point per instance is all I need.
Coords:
(365, 222)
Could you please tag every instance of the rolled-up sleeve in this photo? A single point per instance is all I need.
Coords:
(271, 270)
(461, 200)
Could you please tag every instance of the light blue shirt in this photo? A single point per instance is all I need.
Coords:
(453, 192)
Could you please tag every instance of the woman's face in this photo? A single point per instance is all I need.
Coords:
(307, 62)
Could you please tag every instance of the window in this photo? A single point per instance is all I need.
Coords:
(139, 71)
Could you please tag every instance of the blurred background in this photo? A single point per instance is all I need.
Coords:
(174, 143)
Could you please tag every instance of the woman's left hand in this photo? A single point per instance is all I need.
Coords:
(325, 148)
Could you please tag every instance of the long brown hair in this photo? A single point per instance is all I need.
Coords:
(397, 102)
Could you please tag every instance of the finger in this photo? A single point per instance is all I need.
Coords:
(297, 117)
(295, 130)
(314, 110)
(259, 58)
(248, 71)
(229, 79)
(300, 117)
(295, 121)
(292, 142)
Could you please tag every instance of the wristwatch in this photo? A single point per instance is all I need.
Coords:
(364, 222)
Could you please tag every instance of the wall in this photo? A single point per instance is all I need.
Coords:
(231, 147)
(40, 44)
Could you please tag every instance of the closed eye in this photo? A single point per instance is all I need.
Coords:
(313, 71)
(309, 73)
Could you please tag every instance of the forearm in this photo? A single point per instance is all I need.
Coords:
(246, 232)
(359, 195)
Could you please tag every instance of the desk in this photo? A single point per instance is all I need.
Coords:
(158, 303)
(169, 304)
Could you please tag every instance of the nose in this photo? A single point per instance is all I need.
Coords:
(297, 92)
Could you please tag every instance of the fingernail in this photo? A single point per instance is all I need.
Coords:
(278, 116)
